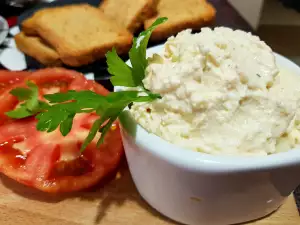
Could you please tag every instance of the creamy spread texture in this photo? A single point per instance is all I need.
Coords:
(222, 93)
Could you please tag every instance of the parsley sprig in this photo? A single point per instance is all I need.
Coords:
(31, 104)
(124, 75)
(61, 108)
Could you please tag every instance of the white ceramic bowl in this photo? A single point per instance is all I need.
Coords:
(196, 188)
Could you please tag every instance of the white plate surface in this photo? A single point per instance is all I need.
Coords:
(3, 29)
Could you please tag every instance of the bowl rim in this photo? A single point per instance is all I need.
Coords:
(195, 161)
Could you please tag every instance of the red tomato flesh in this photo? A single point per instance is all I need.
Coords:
(49, 161)
(8, 78)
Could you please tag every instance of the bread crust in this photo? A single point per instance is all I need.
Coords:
(28, 26)
(141, 10)
(36, 48)
(192, 14)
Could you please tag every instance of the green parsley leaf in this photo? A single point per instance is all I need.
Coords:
(137, 53)
(51, 119)
(104, 129)
(62, 114)
(19, 113)
(80, 96)
(91, 135)
(21, 93)
(66, 124)
(30, 106)
(109, 112)
(64, 106)
(33, 101)
(124, 75)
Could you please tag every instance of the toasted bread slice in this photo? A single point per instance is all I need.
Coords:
(36, 48)
(181, 15)
(80, 33)
(128, 13)
(28, 26)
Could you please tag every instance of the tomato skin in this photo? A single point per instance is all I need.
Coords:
(48, 161)
(8, 78)
(97, 88)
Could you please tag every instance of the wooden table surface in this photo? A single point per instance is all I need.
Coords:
(118, 203)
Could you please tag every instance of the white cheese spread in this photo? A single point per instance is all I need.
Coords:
(222, 93)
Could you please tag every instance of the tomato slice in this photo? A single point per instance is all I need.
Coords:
(8, 78)
(49, 161)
